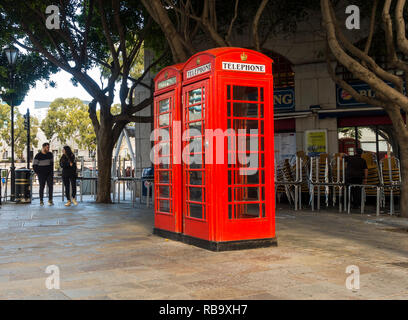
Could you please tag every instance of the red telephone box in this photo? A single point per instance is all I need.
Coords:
(227, 152)
(167, 167)
(228, 203)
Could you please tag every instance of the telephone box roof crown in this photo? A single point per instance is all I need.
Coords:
(224, 50)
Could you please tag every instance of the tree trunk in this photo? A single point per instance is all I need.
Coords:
(404, 176)
(104, 149)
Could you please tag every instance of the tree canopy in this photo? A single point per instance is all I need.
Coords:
(20, 133)
(90, 33)
(188, 24)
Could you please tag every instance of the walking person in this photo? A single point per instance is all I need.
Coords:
(356, 173)
(69, 171)
(43, 165)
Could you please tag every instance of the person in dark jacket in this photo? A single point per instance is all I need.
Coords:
(356, 173)
(69, 171)
(43, 165)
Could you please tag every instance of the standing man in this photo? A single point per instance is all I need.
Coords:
(356, 173)
(43, 166)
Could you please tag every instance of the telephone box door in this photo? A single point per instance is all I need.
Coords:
(195, 106)
(166, 173)
(250, 186)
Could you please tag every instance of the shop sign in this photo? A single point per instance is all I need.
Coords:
(345, 99)
(284, 98)
(315, 142)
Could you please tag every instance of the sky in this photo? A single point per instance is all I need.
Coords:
(64, 89)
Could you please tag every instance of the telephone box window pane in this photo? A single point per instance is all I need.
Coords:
(164, 177)
(247, 210)
(245, 93)
(248, 143)
(230, 208)
(247, 176)
(252, 176)
(164, 105)
(164, 192)
(232, 159)
(262, 94)
(164, 120)
(164, 149)
(196, 194)
(245, 124)
(196, 126)
(196, 210)
(196, 177)
(195, 145)
(164, 165)
(228, 92)
(247, 160)
(246, 110)
(194, 96)
(246, 194)
(164, 205)
(194, 113)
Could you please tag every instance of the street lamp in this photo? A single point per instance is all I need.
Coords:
(11, 54)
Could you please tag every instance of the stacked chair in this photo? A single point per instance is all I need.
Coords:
(303, 168)
(321, 176)
(390, 179)
(291, 179)
(373, 186)
(319, 179)
(284, 180)
(338, 179)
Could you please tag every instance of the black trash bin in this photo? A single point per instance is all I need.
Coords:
(147, 174)
(23, 186)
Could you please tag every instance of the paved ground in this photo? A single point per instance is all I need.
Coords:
(108, 252)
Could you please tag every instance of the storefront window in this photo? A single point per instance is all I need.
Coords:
(375, 139)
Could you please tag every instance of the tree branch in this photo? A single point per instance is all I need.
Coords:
(227, 37)
(256, 23)
(364, 57)
(83, 56)
(400, 26)
(372, 28)
(389, 38)
(139, 80)
(353, 66)
(93, 116)
(343, 84)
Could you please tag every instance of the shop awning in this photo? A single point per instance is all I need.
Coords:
(351, 112)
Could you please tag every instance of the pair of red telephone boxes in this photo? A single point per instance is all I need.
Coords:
(213, 152)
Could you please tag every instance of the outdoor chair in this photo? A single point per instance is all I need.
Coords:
(391, 179)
